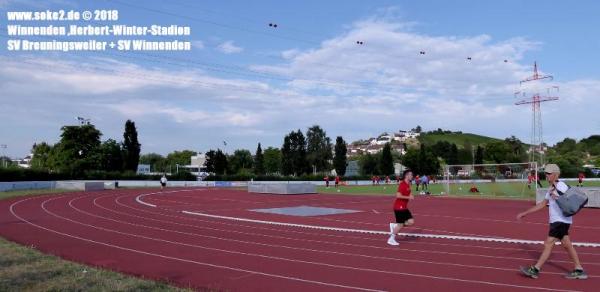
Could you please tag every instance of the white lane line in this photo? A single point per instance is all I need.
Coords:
(331, 235)
(422, 235)
(274, 245)
(279, 258)
(139, 197)
(179, 259)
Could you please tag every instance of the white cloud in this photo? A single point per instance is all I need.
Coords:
(229, 47)
(198, 44)
(351, 90)
(142, 109)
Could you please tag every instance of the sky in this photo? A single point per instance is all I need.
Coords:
(245, 82)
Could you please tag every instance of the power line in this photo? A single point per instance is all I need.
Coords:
(228, 26)
(185, 63)
(421, 53)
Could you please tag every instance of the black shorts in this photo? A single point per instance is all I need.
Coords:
(559, 230)
(163, 184)
(402, 216)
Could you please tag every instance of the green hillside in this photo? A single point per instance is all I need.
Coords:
(460, 139)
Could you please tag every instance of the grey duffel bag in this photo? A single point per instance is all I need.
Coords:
(571, 201)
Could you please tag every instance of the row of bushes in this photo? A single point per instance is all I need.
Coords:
(21, 174)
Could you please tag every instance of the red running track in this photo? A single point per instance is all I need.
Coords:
(112, 230)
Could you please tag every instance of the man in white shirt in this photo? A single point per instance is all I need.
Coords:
(163, 182)
(559, 226)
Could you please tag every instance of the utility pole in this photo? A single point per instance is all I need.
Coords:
(3, 147)
(535, 99)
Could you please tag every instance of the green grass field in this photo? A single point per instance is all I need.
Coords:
(458, 139)
(507, 190)
(12, 194)
(26, 269)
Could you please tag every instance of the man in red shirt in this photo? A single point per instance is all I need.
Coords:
(418, 181)
(581, 177)
(529, 180)
(401, 212)
(337, 181)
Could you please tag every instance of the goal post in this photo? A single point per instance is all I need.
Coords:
(511, 180)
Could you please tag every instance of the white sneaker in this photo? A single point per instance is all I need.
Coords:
(392, 241)
(392, 225)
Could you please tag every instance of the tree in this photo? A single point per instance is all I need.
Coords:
(411, 160)
(497, 151)
(570, 164)
(368, 164)
(318, 148)
(131, 147)
(565, 146)
(272, 158)
(339, 160)
(452, 155)
(386, 162)
(183, 157)
(515, 145)
(428, 163)
(216, 162)
(418, 129)
(287, 166)
(479, 155)
(78, 150)
(259, 165)
(240, 160)
(41, 156)
(442, 149)
(421, 161)
(112, 156)
(156, 161)
(591, 144)
(293, 154)
(209, 163)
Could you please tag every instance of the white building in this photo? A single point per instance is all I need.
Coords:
(196, 166)
(402, 135)
(24, 162)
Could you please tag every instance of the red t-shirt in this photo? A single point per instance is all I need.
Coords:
(337, 179)
(530, 178)
(404, 189)
(581, 176)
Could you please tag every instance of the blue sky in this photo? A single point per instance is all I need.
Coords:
(245, 82)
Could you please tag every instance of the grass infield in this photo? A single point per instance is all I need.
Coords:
(500, 190)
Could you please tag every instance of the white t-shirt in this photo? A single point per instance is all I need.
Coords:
(163, 180)
(554, 211)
